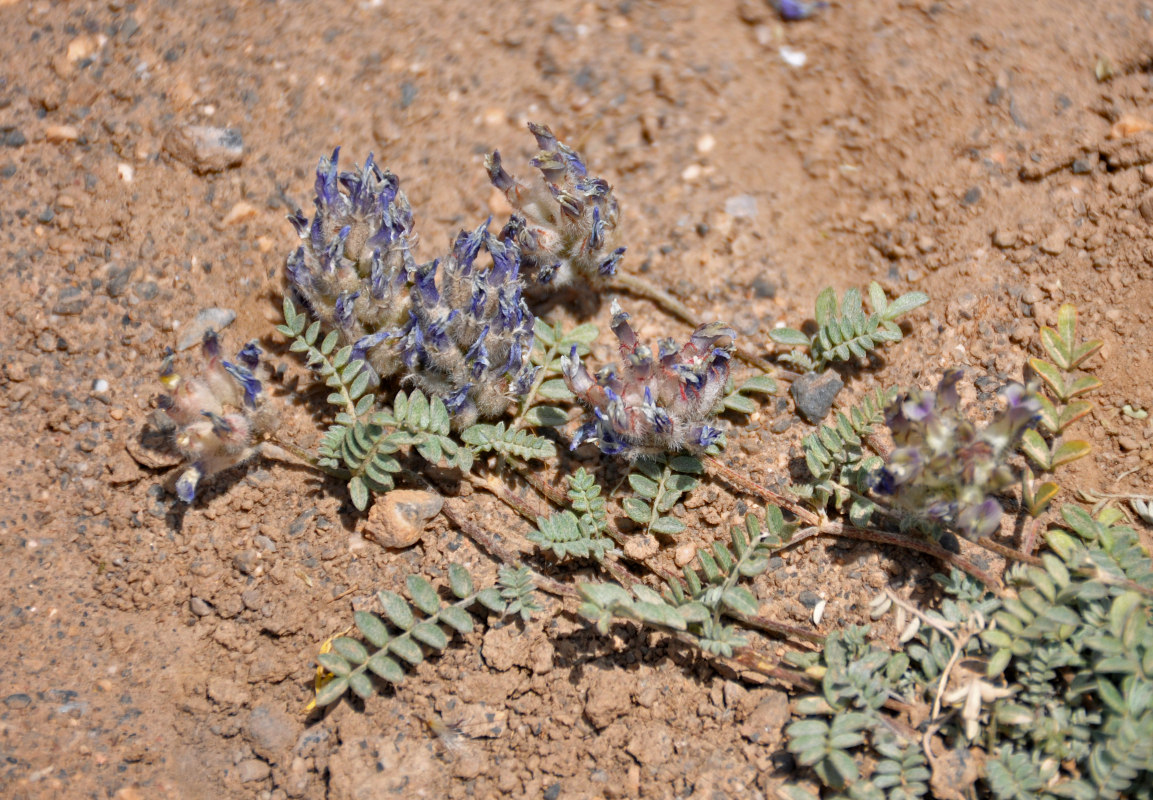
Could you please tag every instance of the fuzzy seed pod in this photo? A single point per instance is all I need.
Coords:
(470, 335)
(566, 224)
(219, 414)
(354, 267)
(654, 404)
(945, 468)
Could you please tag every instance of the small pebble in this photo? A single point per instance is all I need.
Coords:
(397, 519)
(685, 553)
(99, 386)
(1005, 238)
(691, 173)
(809, 599)
(62, 133)
(241, 212)
(19, 700)
(971, 196)
(205, 148)
(706, 143)
(1128, 443)
(126, 172)
(72, 300)
(14, 138)
(814, 394)
(214, 319)
(794, 58)
(639, 548)
(251, 599)
(252, 769)
(1054, 243)
(247, 562)
(741, 206)
(199, 607)
(1032, 294)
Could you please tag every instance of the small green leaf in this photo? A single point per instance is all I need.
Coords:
(584, 334)
(759, 384)
(361, 684)
(1083, 385)
(1069, 451)
(406, 649)
(1034, 446)
(423, 595)
(545, 417)
(659, 614)
(334, 663)
(331, 691)
(789, 337)
(555, 389)
(490, 598)
(384, 667)
(740, 404)
(459, 580)
(904, 304)
(457, 618)
(329, 342)
(637, 510)
(826, 306)
(358, 492)
(669, 526)
(741, 601)
(431, 635)
(689, 465)
(542, 333)
(645, 487)
(372, 627)
(396, 609)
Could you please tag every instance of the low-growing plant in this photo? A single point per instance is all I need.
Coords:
(1037, 683)
(846, 332)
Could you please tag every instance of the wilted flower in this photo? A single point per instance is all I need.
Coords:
(219, 414)
(654, 403)
(945, 468)
(565, 225)
(354, 267)
(469, 338)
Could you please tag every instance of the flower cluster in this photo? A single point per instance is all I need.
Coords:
(565, 225)
(944, 467)
(469, 338)
(654, 403)
(218, 415)
(466, 340)
(354, 266)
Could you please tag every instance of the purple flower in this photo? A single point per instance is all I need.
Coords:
(564, 226)
(354, 265)
(470, 332)
(944, 468)
(648, 404)
(218, 415)
(791, 10)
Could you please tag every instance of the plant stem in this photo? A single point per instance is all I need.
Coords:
(920, 545)
(1008, 553)
(639, 287)
(743, 484)
(779, 628)
(501, 492)
(491, 543)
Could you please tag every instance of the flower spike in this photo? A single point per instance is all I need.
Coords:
(565, 224)
(650, 405)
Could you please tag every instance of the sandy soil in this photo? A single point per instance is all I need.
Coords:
(961, 148)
